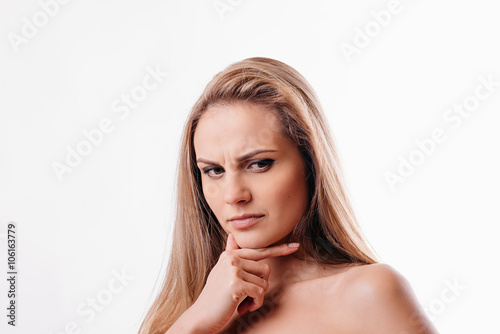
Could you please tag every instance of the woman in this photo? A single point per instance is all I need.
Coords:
(265, 239)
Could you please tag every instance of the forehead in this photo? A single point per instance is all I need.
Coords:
(236, 129)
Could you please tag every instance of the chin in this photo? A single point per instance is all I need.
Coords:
(250, 242)
(256, 241)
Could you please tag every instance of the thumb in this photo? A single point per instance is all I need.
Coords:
(231, 243)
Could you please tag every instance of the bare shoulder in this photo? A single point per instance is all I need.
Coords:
(375, 278)
(379, 299)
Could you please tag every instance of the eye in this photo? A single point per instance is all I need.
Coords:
(257, 166)
(213, 171)
(262, 165)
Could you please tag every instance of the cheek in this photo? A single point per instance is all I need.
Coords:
(209, 191)
(213, 196)
(290, 195)
(209, 187)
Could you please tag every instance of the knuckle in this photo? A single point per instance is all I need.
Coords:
(235, 297)
(236, 272)
(231, 258)
(224, 255)
(267, 269)
(234, 284)
(234, 260)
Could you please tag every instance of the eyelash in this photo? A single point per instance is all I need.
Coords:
(267, 162)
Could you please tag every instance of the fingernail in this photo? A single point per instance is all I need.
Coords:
(293, 245)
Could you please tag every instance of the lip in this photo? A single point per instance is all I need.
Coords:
(245, 215)
(245, 221)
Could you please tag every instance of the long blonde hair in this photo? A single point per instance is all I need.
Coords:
(328, 230)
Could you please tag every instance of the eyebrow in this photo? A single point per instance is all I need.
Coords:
(242, 158)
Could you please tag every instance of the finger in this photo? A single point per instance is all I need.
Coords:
(254, 299)
(263, 253)
(231, 243)
(258, 269)
(245, 305)
(256, 280)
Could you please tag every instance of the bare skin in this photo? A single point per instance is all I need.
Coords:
(259, 284)
(237, 283)
(309, 297)
(303, 297)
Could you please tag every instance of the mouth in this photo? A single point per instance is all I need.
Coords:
(245, 221)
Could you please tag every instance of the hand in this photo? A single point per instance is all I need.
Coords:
(237, 276)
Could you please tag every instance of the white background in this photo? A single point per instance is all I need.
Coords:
(113, 212)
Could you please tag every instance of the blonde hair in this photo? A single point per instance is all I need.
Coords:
(328, 230)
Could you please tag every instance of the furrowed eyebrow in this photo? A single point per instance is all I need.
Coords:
(242, 158)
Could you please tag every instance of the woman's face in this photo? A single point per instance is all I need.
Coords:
(248, 167)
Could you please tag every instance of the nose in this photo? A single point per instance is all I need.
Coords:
(235, 190)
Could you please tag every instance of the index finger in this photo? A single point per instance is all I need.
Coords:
(263, 253)
(231, 242)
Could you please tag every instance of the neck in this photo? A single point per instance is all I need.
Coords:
(293, 268)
